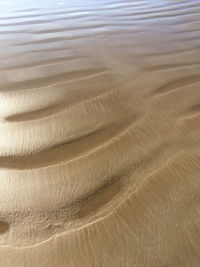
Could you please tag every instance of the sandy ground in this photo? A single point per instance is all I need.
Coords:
(100, 133)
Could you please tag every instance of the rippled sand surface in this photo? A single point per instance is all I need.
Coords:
(100, 133)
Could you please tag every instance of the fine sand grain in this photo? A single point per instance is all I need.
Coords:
(100, 133)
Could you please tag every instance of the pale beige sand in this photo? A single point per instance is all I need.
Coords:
(100, 133)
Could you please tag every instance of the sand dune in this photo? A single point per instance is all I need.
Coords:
(100, 133)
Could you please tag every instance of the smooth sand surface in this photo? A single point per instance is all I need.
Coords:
(100, 133)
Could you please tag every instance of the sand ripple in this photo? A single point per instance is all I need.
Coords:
(100, 133)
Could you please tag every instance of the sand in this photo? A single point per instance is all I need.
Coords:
(100, 133)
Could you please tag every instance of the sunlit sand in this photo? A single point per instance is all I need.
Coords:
(100, 133)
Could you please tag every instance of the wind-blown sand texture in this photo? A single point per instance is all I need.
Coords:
(100, 133)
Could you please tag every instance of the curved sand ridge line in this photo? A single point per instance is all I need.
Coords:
(99, 134)
(170, 167)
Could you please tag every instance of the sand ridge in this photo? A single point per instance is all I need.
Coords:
(99, 133)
